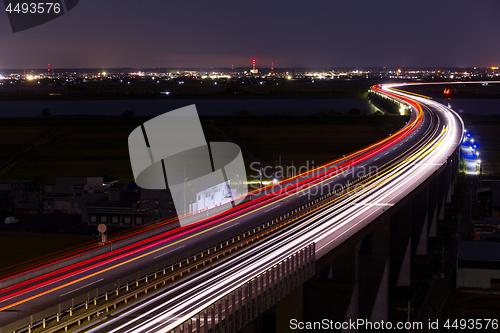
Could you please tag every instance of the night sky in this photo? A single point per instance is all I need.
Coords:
(201, 33)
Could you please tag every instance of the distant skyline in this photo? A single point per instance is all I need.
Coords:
(204, 34)
(262, 70)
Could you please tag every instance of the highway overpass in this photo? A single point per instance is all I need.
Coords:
(376, 207)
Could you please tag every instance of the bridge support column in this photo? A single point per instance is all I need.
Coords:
(450, 178)
(233, 312)
(337, 282)
(401, 240)
(246, 304)
(442, 191)
(432, 207)
(218, 320)
(420, 222)
(205, 321)
(456, 167)
(374, 274)
(240, 308)
(212, 317)
(290, 308)
(261, 293)
(225, 317)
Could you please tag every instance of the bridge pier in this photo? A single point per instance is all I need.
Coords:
(357, 281)
(291, 308)
(420, 222)
(338, 281)
(373, 273)
(442, 192)
(401, 243)
(432, 207)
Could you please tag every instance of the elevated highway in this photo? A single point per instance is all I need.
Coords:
(172, 278)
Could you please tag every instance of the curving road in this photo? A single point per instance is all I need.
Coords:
(403, 161)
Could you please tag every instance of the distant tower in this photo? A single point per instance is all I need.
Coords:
(272, 67)
(48, 69)
(254, 70)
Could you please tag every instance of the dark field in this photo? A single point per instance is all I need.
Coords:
(313, 139)
(192, 89)
(43, 148)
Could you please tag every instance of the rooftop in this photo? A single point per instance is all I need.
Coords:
(470, 250)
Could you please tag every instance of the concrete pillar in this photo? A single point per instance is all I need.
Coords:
(240, 308)
(279, 272)
(255, 296)
(290, 307)
(267, 302)
(432, 207)
(441, 208)
(312, 258)
(219, 314)
(212, 317)
(442, 188)
(233, 311)
(420, 222)
(373, 278)
(287, 277)
(226, 313)
(261, 293)
(272, 286)
(244, 304)
(301, 267)
(450, 192)
(400, 241)
(333, 292)
(449, 179)
(205, 321)
(250, 300)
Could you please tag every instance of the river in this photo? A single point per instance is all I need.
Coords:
(204, 106)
